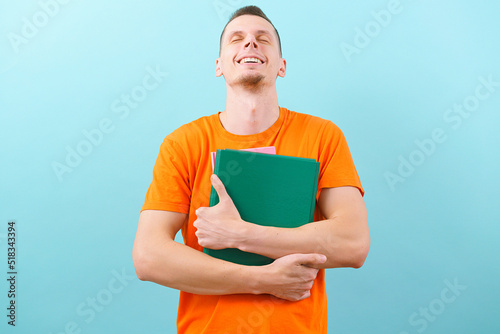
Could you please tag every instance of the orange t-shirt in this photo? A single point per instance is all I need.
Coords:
(181, 183)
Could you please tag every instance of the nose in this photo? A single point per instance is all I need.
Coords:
(251, 42)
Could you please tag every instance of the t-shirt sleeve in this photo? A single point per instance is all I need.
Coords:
(170, 188)
(336, 165)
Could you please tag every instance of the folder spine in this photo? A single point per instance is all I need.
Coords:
(214, 198)
(315, 190)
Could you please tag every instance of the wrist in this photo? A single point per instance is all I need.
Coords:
(249, 235)
(255, 281)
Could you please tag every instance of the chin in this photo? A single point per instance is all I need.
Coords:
(251, 81)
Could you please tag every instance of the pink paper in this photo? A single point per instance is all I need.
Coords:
(266, 150)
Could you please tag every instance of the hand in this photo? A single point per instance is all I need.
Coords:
(220, 226)
(291, 277)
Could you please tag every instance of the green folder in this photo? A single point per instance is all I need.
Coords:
(267, 189)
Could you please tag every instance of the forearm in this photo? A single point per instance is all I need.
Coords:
(180, 267)
(344, 246)
(343, 237)
(159, 258)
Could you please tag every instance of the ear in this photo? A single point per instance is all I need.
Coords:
(282, 69)
(218, 69)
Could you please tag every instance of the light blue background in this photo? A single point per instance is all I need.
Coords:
(75, 234)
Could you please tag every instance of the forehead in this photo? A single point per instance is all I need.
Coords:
(249, 24)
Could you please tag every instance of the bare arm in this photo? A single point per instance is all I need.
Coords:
(159, 258)
(343, 237)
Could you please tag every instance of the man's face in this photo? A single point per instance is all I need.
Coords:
(250, 54)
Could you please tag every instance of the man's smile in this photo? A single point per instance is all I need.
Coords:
(250, 60)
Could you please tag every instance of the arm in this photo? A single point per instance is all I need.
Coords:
(343, 237)
(159, 258)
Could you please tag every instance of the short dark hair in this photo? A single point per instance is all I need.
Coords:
(249, 10)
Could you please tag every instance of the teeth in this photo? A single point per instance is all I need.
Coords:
(251, 60)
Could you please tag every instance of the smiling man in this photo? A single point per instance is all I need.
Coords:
(288, 295)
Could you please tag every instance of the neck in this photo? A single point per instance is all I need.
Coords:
(250, 112)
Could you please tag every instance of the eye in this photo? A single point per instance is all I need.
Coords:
(263, 40)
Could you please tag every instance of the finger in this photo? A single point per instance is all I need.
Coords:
(311, 259)
(299, 296)
(306, 294)
(200, 211)
(196, 223)
(219, 187)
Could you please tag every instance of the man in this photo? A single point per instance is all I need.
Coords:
(288, 295)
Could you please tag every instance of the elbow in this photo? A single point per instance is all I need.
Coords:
(358, 262)
(141, 264)
(150, 263)
(147, 264)
(360, 253)
(352, 255)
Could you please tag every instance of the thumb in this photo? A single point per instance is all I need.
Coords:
(219, 187)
